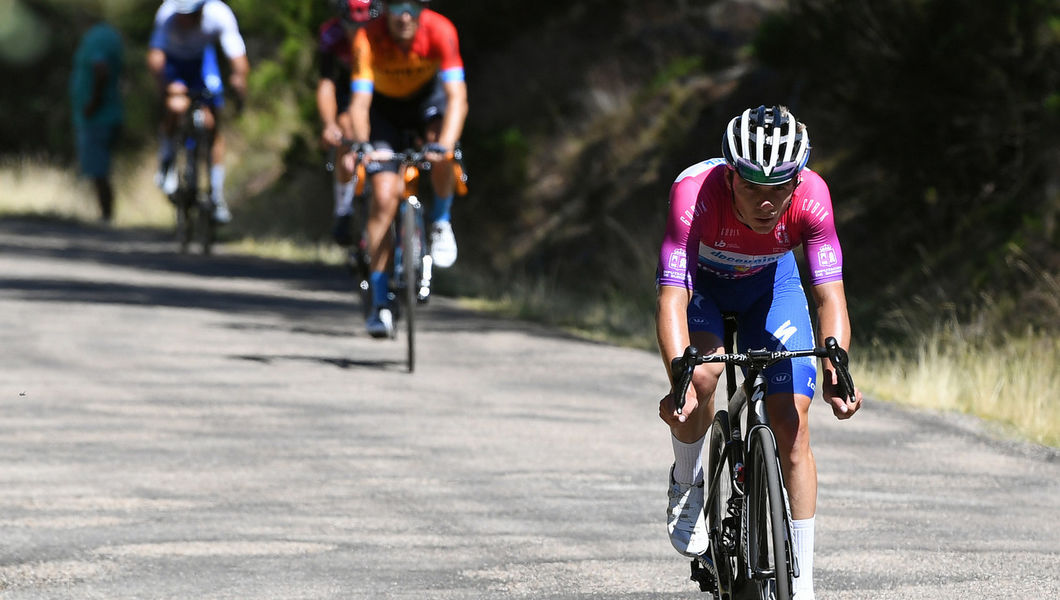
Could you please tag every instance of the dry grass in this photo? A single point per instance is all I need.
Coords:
(1015, 382)
(289, 250)
(35, 188)
(32, 187)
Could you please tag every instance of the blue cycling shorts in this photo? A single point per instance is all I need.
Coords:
(198, 74)
(772, 313)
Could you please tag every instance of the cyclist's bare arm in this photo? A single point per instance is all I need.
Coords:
(360, 103)
(671, 324)
(328, 109)
(455, 114)
(156, 63)
(238, 77)
(834, 321)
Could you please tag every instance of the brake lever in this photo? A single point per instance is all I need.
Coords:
(841, 361)
(681, 369)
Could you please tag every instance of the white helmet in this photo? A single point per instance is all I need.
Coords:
(766, 146)
(187, 7)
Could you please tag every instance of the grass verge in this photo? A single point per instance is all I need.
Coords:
(1014, 382)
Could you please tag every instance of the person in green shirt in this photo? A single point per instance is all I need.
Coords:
(98, 113)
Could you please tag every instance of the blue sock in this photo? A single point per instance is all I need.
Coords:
(377, 283)
(440, 209)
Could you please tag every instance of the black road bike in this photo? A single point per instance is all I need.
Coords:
(745, 504)
(193, 196)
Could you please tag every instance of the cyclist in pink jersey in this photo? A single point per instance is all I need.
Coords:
(733, 223)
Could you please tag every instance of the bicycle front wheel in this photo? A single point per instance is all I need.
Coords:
(768, 549)
(721, 522)
(207, 231)
(409, 254)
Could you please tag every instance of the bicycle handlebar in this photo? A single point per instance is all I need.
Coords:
(683, 366)
(410, 156)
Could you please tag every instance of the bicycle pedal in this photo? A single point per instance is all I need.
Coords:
(704, 573)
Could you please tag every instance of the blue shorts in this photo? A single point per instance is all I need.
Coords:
(94, 144)
(199, 74)
(772, 313)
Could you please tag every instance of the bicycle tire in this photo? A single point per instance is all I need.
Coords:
(768, 548)
(187, 195)
(183, 220)
(726, 561)
(409, 254)
(207, 231)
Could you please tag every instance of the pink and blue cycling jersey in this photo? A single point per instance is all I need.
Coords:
(702, 224)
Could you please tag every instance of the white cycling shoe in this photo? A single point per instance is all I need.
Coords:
(380, 323)
(221, 214)
(443, 244)
(166, 178)
(684, 518)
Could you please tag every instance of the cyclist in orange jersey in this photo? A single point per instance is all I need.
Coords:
(407, 75)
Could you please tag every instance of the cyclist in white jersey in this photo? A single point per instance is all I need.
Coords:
(182, 57)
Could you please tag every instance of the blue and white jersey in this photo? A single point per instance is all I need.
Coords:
(218, 24)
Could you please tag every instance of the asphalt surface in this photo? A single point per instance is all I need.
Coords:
(182, 427)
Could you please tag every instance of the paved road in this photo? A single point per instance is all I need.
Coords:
(175, 427)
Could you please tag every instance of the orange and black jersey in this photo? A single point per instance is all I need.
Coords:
(381, 65)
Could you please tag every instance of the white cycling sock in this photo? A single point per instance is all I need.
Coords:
(343, 198)
(217, 182)
(802, 532)
(688, 460)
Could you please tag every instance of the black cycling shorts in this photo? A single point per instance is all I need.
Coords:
(397, 122)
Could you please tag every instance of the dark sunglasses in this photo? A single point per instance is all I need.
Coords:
(413, 8)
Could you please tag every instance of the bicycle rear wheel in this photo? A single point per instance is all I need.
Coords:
(187, 195)
(722, 526)
(410, 252)
(767, 526)
(207, 226)
(184, 227)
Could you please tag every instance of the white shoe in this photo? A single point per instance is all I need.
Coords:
(684, 518)
(221, 214)
(166, 178)
(443, 244)
(380, 323)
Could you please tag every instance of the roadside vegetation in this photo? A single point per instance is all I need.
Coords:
(936, 135)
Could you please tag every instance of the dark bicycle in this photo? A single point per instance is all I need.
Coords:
(746, 505)
(409, 283)
(193, 196)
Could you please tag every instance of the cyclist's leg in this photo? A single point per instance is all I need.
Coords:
(180, 78)
(382, 211)
(781, 320)
(212, 82)
(685, 521)
(343, 189)
(443, 179)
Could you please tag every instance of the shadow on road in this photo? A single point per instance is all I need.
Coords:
(82, 248)
(342, 363)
